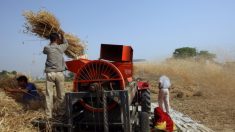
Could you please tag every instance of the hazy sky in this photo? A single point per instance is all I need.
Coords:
(154, 28)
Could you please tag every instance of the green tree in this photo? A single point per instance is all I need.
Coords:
(203, 54)
(185, 52)
(3, 72)
(188, 52)
(14, 72)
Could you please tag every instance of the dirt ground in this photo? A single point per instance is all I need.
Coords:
(219, 114)
(216, 109)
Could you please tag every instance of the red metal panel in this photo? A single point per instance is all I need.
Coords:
(118, 53)
(142, 85)
(126, 68)
(74, 65)
(127, 53)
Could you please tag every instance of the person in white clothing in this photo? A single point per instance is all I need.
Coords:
(163, 97)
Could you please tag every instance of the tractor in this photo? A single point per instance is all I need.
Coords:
(106, 97)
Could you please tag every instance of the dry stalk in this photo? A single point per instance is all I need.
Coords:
(42, 23)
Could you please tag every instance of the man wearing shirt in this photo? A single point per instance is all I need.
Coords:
(54, 68)
(31, 91)
(163, 97)
(28, 89)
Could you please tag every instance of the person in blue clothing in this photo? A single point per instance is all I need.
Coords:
(29, 89)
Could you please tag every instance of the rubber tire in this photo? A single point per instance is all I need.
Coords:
(144, 122)
(145, 101)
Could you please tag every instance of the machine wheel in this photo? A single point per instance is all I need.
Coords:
(145, 101)
(144, 122)
(96, 76)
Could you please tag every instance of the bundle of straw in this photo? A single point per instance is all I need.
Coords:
(8, 82)
(43, 23)
(13, 116)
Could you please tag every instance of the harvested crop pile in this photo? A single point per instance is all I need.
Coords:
(43, 23)
(13, 117)
(9, 81)
(15, 114)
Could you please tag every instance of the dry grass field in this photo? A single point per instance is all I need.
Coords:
(204, 91)
(15, 116)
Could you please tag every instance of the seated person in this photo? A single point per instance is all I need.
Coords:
(28, 89)
(162, 121)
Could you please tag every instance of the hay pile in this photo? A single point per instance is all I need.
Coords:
(8, 81)
(43, 23)
(13, 117)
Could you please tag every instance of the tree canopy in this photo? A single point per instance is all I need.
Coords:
(5, 72)
(189, 52)
(203, 54)
(184, 52)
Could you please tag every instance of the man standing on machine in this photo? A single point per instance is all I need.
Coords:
(54, 68)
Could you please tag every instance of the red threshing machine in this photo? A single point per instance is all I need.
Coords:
(105, 96)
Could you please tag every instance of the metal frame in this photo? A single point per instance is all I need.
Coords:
(71, 97)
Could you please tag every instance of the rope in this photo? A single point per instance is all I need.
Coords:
(106, 127)
(98, 95)
(93, 111)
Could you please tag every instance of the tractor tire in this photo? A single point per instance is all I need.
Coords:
(144, 122)
(145, 101)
